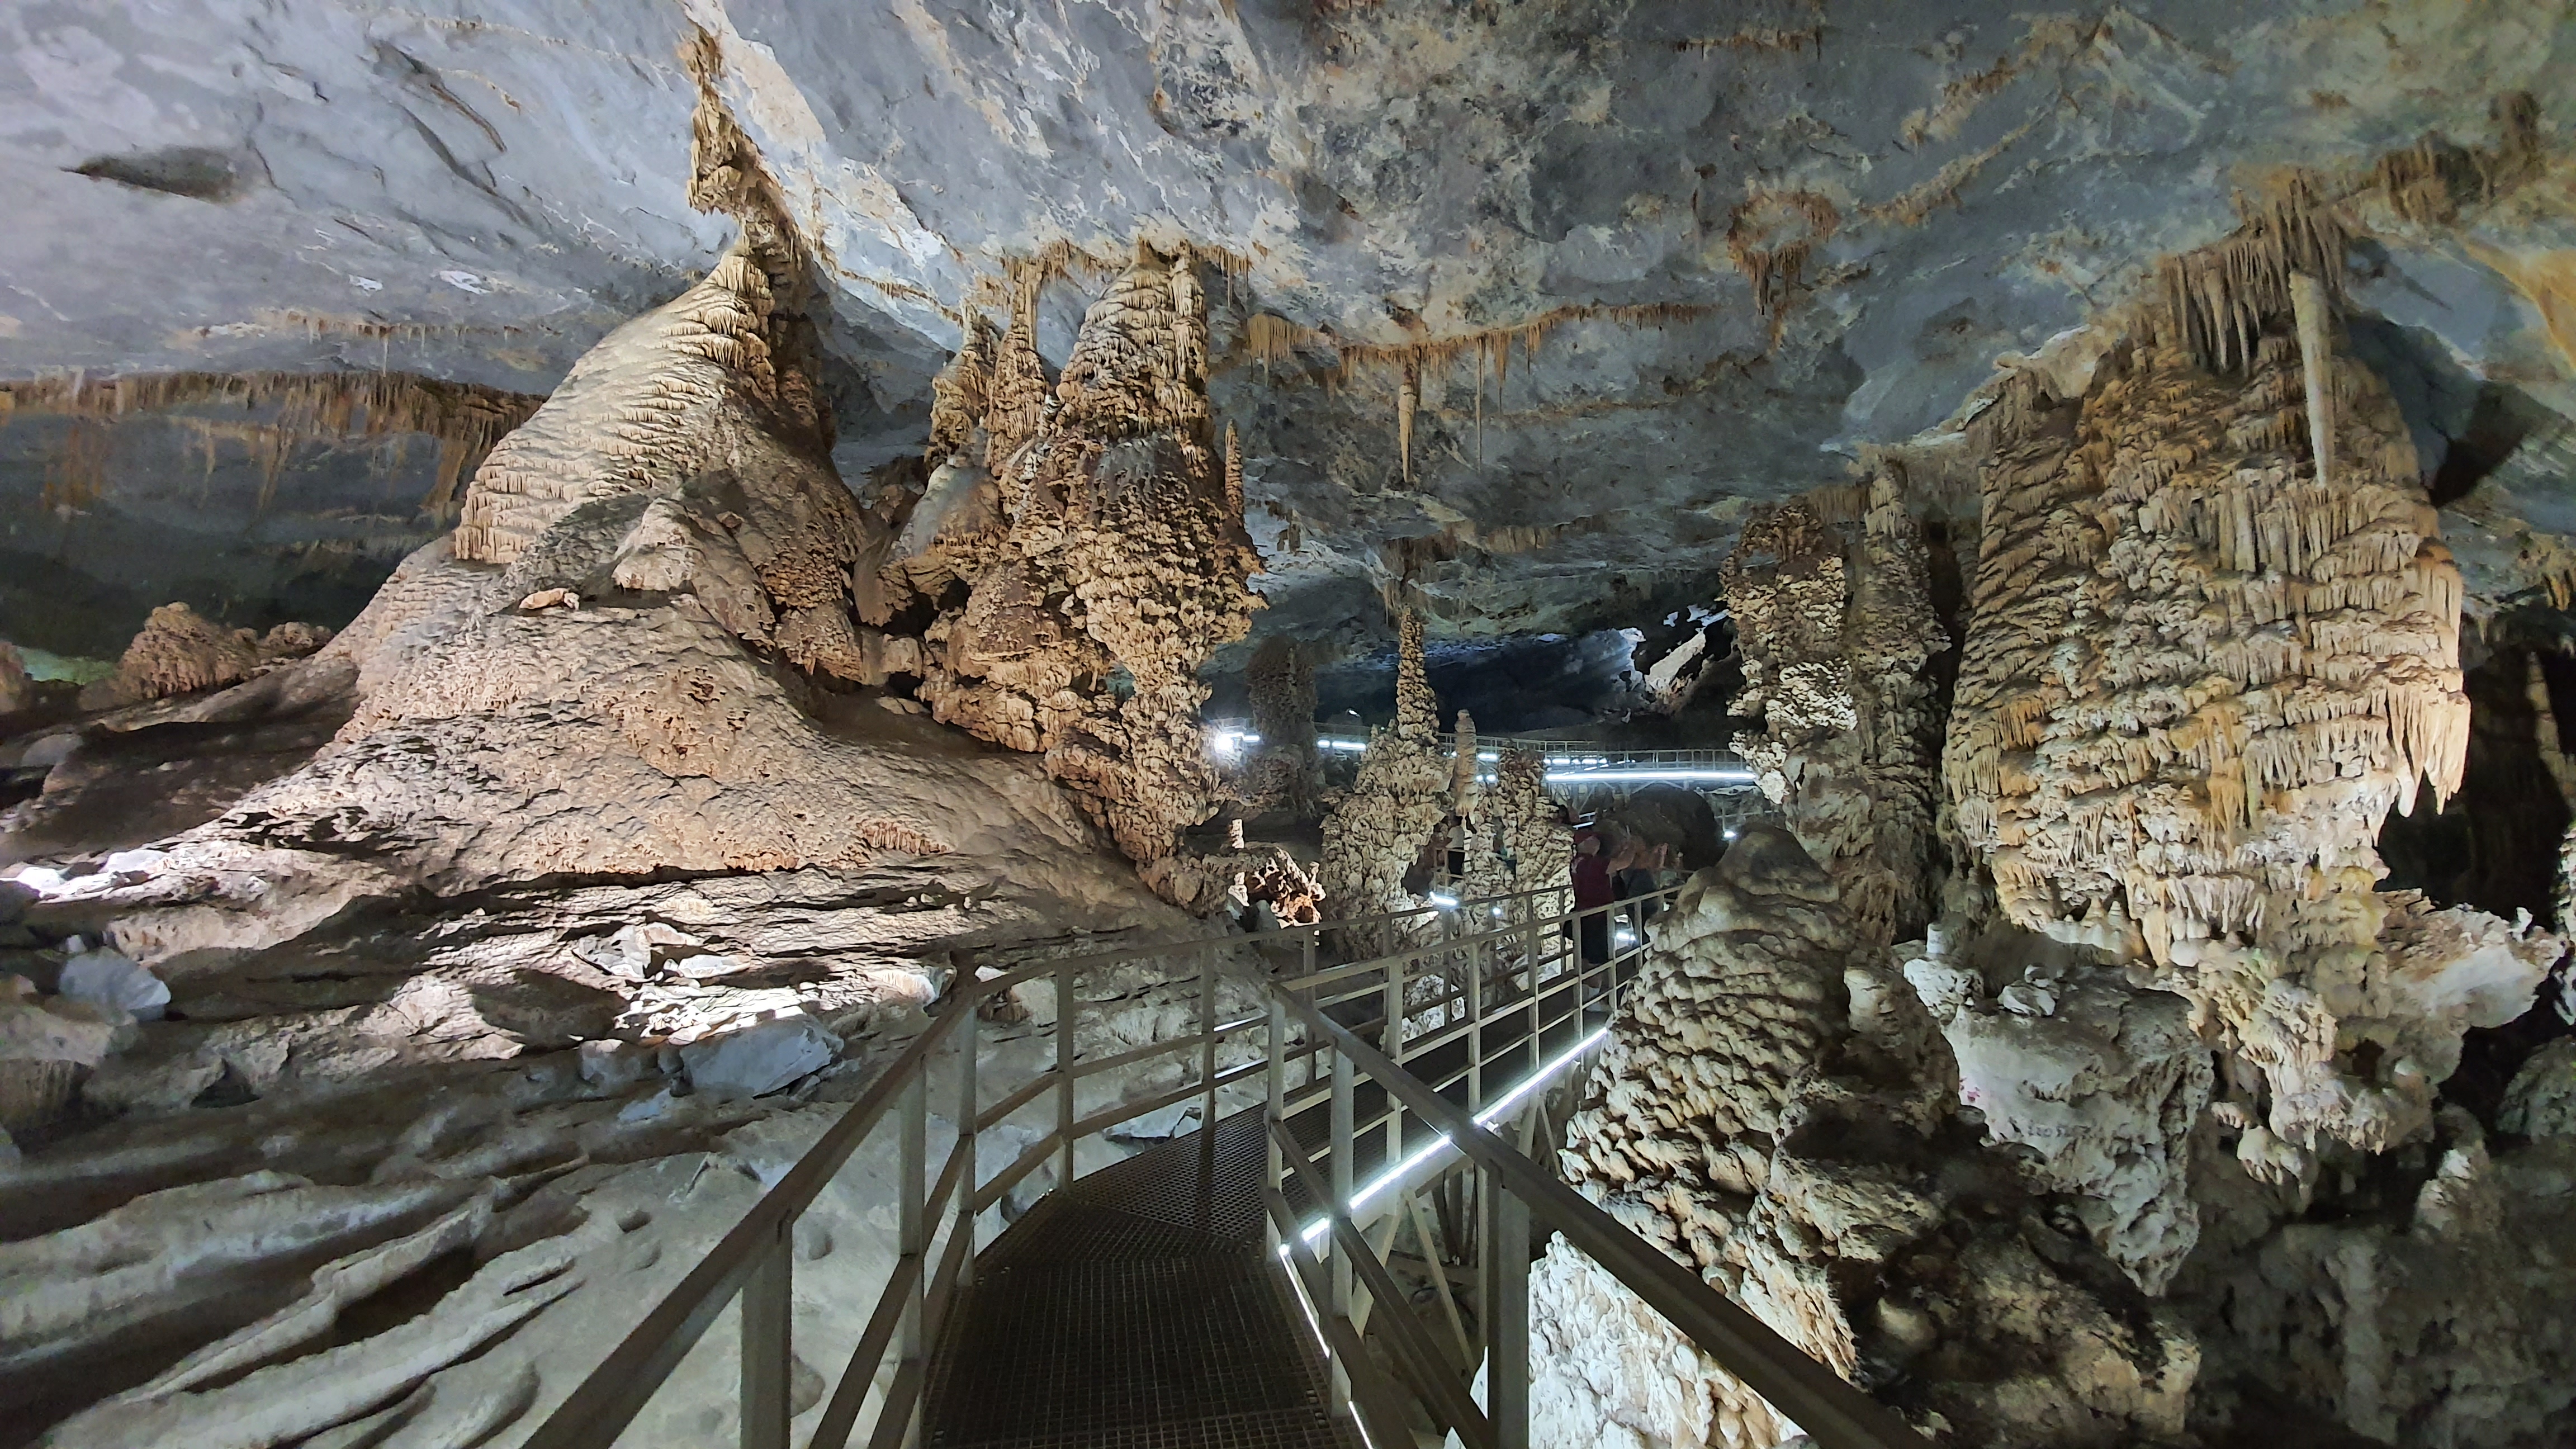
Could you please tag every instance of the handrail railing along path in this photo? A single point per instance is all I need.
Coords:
(1473, 989)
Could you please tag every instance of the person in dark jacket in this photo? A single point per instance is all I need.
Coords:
(1592, 889)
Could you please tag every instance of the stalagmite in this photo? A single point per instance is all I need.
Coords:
(1377, 831)
(1517, 838)
(1835, 624)
(1108, 564)
(1282, 773)
(1774, 1111)
(181, 652)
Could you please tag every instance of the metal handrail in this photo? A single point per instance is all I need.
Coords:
(1832, 1411)
(754, 1259)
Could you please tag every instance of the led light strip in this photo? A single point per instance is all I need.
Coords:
(1485, 1118)
(1713, 775)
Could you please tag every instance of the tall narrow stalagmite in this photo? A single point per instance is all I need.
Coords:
(1282, 774)
(1774, 1112)
(1377, 831)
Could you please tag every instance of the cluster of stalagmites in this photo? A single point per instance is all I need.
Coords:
(1775, 1110)
(1517, 838)
(2012, 1177)
(1835, 623)
(1096, 534)
(623, 659)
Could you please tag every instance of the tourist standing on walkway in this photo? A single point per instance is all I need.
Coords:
(1592, 890)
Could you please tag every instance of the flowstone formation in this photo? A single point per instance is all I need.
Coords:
(1098, 534)
(1836, 624)
(1380, 832)
(2098, 1081)
(629, 658)
(1774, 1111)
(2199, 678)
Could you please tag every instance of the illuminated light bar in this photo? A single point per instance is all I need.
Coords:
(1493, 1112)
(1711, 774)
(1346, 746)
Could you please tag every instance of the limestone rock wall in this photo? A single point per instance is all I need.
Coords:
(1774, 1111)
(1835, 624)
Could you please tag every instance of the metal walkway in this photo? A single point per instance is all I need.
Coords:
(1222, 1291)
(1134, 1312)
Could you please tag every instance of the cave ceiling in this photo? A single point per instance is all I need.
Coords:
(1650, 265)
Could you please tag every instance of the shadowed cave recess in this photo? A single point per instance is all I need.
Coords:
(572, 576)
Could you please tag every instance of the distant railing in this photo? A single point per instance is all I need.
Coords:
(1568, 764)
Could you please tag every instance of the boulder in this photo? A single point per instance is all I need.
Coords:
(111, 979)
(760, 1058)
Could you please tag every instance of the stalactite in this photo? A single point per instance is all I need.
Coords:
(2315, 319)
(1408, 398)
(467, 419)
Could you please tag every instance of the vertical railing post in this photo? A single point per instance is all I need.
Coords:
(768, 1315)
(969, 1106)
(1277, 1081)
(1506, 1311)
(1534, 1057)
(1529, 948)
(1394, 1049)
(1338, 1304)
(1207, 1067)
(913, 1236)
(1475, 1039)
(1063, 1076)
(1305, 969)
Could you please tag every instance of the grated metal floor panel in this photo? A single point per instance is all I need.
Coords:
(1134, 1312)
